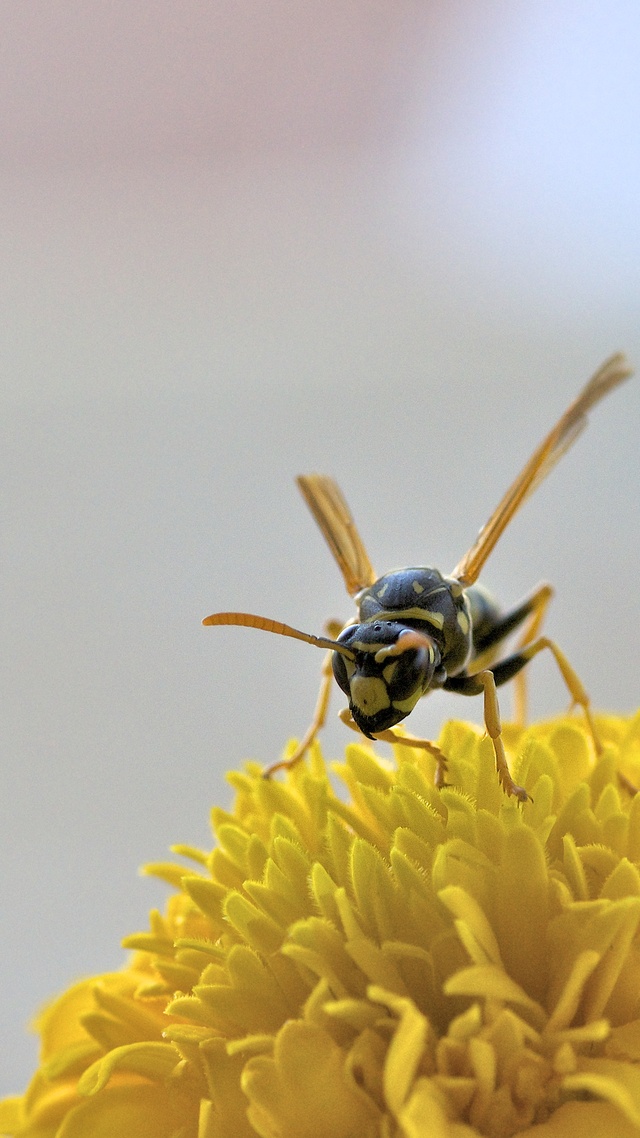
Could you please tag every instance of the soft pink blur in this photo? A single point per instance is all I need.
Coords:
(106, 80)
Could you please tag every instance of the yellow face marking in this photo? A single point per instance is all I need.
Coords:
(360, 646)
(369, 694)
(389, 671)
(408, 704)
(434, 618)
(463, 622)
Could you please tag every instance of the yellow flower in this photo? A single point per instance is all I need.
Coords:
(400, 961)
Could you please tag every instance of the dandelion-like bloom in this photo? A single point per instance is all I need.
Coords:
(404, 961)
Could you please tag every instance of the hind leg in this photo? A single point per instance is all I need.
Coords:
(541, 599)
(532, 611)
(512, 665)
(569, 675)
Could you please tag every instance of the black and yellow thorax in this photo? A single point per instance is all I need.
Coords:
(423, 599)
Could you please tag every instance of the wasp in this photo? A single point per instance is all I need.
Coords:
(417, 630)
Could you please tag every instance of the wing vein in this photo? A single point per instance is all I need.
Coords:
(562, 436)
(333, 516)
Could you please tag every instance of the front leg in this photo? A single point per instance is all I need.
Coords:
(485, 682)
(513, 664)
(333, 629)
(404, 740)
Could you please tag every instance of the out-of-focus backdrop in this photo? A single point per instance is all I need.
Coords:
(385, 240)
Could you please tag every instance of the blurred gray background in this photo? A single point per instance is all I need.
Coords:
(385, 240)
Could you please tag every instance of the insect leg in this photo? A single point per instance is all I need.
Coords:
(505, 623)
(577, 693)
(511, 665)
(570, 677)
(317, 723)
(541, 599)
(486, 682)
(532, 609)
(404, 740)
(333, 629)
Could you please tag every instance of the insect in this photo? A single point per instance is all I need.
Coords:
(417, 630)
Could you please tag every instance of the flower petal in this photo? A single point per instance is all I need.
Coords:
(145, 1111)
(288, 1092)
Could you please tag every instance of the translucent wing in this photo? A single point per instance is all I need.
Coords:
(542, 461)
(324, 498)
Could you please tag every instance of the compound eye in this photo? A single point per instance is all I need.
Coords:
(408, 674)
(343, 669)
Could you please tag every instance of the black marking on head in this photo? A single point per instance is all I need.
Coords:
(384, 682)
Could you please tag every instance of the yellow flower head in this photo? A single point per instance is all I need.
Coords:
(402, 961)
